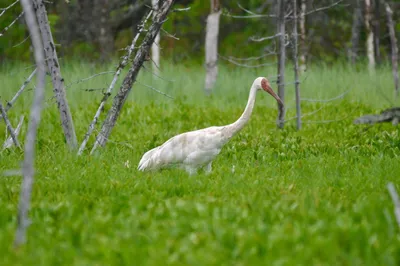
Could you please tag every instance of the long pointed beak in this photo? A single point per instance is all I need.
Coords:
(270, 91)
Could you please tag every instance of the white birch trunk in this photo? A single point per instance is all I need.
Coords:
(34, 119)
(303, 46)
(211, 46)
(370, 36)
(155, 48)
(55, 72)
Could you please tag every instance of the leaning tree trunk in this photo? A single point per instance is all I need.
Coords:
(370, 36)
(30, 140)
(55, 72)
(355, 32)
(395, 50)
(303, 45)
(281, 62)
(130, 78)
(211, 47)
(155, 48)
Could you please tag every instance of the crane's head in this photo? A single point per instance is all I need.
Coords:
(262, 83)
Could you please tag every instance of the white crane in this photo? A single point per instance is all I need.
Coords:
(197, 149)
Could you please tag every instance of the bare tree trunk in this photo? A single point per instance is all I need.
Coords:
(27, 168)
(303, 45)
(355, 32)
(211, 47)
(155, 48)
(394, 48)
(130, 78)
(281, 62)
(370, 36)
(55, 71)
(296, 66)
(9, 126)
(376, 24)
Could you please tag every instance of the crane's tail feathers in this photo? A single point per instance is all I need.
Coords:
(147, 160)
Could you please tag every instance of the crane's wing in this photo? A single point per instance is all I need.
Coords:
(194, 147)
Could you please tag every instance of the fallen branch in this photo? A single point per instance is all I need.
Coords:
(120, 67)
(130, 78)
(9, 141)
(9, 126)
(396, 201)
(30, 140)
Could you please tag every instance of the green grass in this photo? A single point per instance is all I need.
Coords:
(275, 197)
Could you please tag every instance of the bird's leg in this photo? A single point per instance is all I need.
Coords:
(191, 170)
(208, 168)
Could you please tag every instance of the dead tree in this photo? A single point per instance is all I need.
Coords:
(303, 45)
(107, 94)
(355, 32)
(211, 46)
(296, 66)
(394, 48)
(30, 140)
(155, 48)
(281, 61)
(130, 78)
(55, 72)
(370, 36)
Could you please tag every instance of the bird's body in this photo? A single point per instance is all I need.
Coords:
(197, 149)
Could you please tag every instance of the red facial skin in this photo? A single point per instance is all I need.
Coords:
(267, 87)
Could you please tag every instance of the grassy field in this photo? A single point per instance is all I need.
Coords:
(275, 197)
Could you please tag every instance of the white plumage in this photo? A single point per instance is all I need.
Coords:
(197, 149)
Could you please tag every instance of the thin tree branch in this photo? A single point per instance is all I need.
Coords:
(88, 78)
(246, 65)
(19, 92)
(9, 141)
(12, 23)
(3, 10)
(156, 90)
(9, 126)
(326, 100)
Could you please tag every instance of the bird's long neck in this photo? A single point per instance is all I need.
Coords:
(235, 127)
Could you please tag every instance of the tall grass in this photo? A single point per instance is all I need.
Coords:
(275, 197)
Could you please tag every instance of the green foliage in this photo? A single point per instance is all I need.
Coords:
(278, 197)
